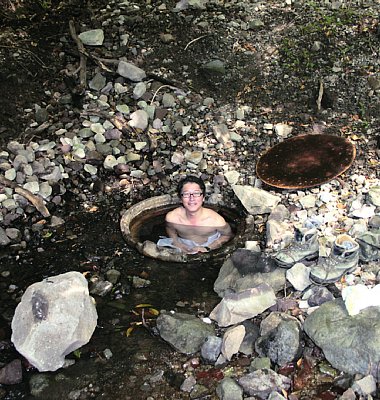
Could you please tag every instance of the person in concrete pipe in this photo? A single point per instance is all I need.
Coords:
(191, 227)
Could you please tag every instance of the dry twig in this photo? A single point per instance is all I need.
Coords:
(320, 95)
(35, 200)
(82, 55)
(194, 40)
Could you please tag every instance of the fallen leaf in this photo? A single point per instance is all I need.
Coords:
(129, 331)
(143, 305)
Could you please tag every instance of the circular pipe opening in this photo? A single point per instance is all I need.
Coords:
(144, 223)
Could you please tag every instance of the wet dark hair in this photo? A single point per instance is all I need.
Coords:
(191, 179)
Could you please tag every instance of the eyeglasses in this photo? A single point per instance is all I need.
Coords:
(186, 195)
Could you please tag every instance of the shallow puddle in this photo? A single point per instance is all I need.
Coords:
(91, 242)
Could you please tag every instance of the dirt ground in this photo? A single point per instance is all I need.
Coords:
(273, 69)
(270, 67)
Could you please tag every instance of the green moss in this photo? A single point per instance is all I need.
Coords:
(333, 29)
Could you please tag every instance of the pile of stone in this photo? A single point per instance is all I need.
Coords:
(344, 326)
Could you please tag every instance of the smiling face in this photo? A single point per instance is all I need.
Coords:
(192, 203)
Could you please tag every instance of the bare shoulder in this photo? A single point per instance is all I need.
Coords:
(217, 219)
(174, 215)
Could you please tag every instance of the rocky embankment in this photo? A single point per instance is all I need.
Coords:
(156, 102)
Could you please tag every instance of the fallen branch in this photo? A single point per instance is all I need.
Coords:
(35, 200)
(83, 57)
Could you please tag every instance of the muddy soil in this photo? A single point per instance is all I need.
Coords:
(32, 58)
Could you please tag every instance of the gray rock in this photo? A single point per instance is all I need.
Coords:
(130, 71)
(177, 158)
(318, 295)
(33, 187)
(188, 384)
(365, 386)
(113, 134)
(56, 221)
(245, 270)
(238, 307)
(94, 37)
(113, 276)
(255, 200)
(10, 174)
(298, 276)
(283, 343)
(54, 176)
(101, 288)
(42, 115)
(97, 82)
(139, 119)
(255, 23)
(14, 234)
(222, 133)
(19, 161)
(14, 147)
(138, 282)
(215, 66)
(54, 318)
(119, 88)
(211, 349)
(45, 146)
(4, 239)
(308, 201)
(278, 232)
(168, 100)
(91, 169)
(260, 363)
(232, 340)
(262, 382)
(228, 389)
(139, 90)
(251, 334)
(123, 108)
(11, 374)
(9, 204)
(349, 394)
(232, 177)
(194, 157)
(184, 332)
(110, 162)
(45, 190)
(374, 196)
(350, 343)
(97, 128)
(283, 130)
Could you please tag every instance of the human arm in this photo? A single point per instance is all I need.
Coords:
(225, 235)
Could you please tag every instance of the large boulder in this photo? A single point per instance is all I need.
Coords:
(237, 307)
(350, 343)
(256, 201)
(281, 339)
(247, 269)
(55, 317)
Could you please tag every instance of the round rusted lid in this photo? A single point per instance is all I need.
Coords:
(305, 161)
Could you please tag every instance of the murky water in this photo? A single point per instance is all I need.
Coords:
(90, 242)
